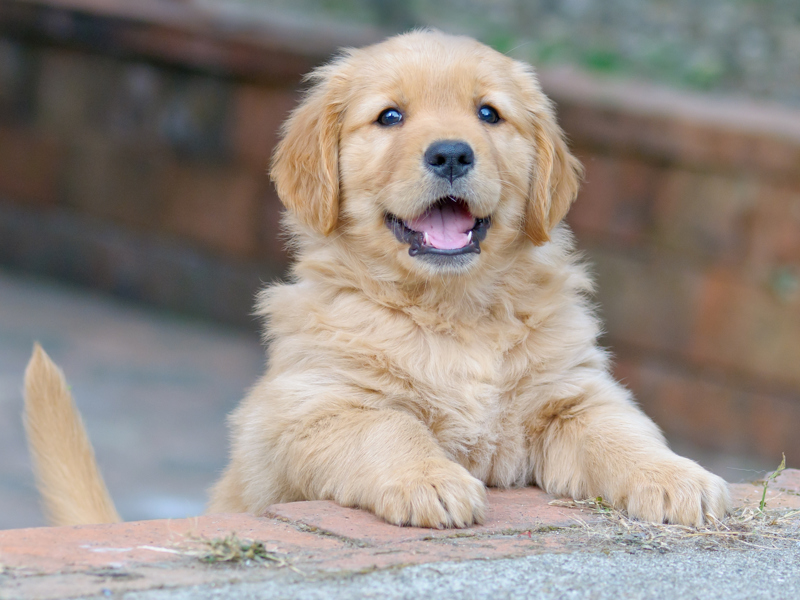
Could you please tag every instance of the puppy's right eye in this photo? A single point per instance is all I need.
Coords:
(389, 117)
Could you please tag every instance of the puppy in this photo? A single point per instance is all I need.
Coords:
(437, 334)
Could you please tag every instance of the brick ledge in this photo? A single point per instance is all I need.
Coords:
(53, 562)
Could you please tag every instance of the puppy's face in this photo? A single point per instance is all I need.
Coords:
(427, 154)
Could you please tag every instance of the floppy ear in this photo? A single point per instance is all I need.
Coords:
(556, 173)
(305, 164)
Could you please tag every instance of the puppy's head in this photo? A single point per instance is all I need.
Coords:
(428, 153)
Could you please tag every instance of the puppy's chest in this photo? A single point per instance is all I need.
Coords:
(464, 388)
(461, 362)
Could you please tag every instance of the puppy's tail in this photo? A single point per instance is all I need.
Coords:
(72, 489)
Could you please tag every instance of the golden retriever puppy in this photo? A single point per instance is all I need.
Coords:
(437, 334)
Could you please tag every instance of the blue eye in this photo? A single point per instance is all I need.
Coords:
(488, 114)
(389, 117)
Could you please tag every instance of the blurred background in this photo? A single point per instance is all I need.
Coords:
(137, 220)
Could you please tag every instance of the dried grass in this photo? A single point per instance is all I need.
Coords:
(232, 549)
(744, 528)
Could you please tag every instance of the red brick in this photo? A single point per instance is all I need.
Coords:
(675, 127)
(615, 200)
(788, 481)
(749, 495)
(527, 508)
(704, 217)
(260, 57)
(646, 301)
(775, 155)
(742, 326)
(711, 410)
(215, 206)
(119, 182)
(258, 114)
(51, 549)
(72, 91)
(689, 407)
(508, 510)
(350, 523)
(776, 223)
(773, 426)
(30, 166)
(271, 241)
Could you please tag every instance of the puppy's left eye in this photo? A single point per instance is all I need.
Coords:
(488, 114)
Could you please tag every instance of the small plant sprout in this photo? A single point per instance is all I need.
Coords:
(778, 471)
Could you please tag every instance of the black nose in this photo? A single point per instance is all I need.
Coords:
(450, 159)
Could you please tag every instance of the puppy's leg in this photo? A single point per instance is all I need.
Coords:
(601, 444)
(226, 495)
(382, 460)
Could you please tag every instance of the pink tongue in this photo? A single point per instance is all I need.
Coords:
(447, 226)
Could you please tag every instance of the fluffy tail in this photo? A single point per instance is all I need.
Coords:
(72, 489)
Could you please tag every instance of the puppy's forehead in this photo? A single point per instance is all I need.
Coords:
(431, 68)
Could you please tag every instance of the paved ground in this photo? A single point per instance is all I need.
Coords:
(686, 575)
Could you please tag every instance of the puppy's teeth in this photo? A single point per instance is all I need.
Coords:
(425, 239)
(469, 236)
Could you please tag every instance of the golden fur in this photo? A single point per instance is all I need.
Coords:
(404, 386)
(72, 489)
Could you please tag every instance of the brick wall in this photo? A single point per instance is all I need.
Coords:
(134, 145)
(690, 214)
(134, 142)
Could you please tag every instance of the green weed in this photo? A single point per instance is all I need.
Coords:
(781, 468)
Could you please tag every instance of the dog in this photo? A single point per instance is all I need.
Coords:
(437, 334)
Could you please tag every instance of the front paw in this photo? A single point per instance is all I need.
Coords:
(673, 490)
(434, 493)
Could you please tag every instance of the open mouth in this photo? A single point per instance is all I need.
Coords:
(447, 228)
